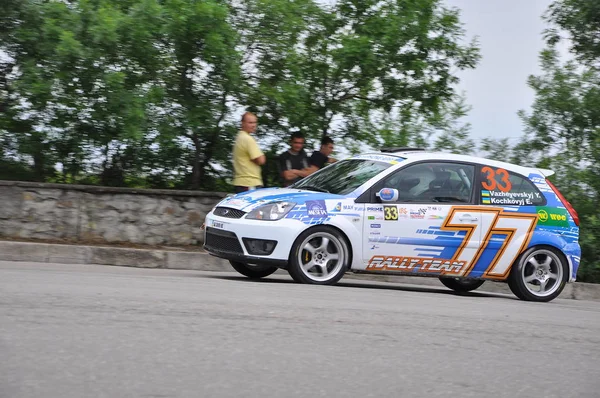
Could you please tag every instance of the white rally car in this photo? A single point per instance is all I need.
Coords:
(460, 218)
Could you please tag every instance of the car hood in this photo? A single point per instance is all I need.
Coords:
(247, 201)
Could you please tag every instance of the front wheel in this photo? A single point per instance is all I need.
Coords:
(253, 270)
(540, 274)
(319, 256)
(461, 285)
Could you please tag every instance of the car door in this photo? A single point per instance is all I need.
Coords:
(433, 226)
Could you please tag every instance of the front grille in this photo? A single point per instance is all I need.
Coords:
(228, 212)
(224, 241)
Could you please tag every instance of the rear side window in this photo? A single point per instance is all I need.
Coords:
(500, 187)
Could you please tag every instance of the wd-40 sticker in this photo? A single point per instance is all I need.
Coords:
(316, 208)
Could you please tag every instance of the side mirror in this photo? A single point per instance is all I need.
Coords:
(388, 194)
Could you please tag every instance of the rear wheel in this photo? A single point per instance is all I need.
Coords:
(540, 274)
(461, 285)
(319, 256)
(253, 270)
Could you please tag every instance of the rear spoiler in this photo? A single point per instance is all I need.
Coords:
(546, 172)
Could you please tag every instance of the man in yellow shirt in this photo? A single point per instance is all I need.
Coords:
(247, 157)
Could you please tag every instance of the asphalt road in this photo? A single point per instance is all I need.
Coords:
(97, 331)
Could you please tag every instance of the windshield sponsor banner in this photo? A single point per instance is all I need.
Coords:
(380, 158)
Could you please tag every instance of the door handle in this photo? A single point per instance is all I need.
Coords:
(467, 217)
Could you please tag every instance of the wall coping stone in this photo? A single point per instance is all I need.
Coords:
(112, 190)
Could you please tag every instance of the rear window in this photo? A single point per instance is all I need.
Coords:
(500, 187)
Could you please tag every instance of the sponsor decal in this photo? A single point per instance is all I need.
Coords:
(396, 263)
(374, 247)
(374, 233)
(374, 208)
(552, 217)
(340, 207)
(316, 208)
(390, 213)
(435, 217)
(416, 214)
(375, 225)
(237, 202)
(543, 214)
(386, 194)
(371, 217)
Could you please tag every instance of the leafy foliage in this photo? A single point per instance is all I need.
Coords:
(563, 127)
(149, 93)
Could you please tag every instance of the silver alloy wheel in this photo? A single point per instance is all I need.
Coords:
(542, 273)
(322, 256)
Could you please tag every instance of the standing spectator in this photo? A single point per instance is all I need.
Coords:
(247, 157)
(320, 158)
(294, 161)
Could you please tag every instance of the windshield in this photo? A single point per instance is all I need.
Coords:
(342, 177)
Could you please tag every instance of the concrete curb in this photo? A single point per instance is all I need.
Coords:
(202, 261)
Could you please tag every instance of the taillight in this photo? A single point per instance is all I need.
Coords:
(565, 203)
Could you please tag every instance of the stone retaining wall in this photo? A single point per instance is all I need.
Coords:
(102, 214)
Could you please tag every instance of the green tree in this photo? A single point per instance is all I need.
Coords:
(328, 70)
(149, 92)
(563, 126)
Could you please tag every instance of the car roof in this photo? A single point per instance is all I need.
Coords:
(414, 154)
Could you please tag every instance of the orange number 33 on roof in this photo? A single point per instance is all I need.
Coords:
(491, 183)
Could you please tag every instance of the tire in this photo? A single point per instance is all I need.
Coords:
(539, 274)
(253, 271)
(461, 285)
(319, 256)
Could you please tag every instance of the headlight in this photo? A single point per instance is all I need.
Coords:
(271, 211)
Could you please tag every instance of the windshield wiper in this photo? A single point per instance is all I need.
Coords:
(313, 188)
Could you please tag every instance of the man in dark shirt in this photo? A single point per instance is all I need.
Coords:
(294, 161)
(320, 158)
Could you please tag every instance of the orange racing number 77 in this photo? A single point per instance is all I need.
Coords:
(516, 227)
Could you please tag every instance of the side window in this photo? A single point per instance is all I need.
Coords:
(500, 187)
(433, 182)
